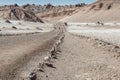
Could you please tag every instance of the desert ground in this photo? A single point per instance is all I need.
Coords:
(76, 42)
(86, 52)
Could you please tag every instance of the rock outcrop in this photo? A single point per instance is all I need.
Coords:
(19, 14)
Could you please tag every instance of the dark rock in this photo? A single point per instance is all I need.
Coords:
(40, 70)
(116, 47)
(33, 76)
(14, 27)
(7, 21)
(49, 65)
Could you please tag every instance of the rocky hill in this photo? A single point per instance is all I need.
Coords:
(17, 13)
(45, 11)
(50, 10)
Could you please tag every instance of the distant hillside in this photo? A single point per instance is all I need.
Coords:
(101, 10)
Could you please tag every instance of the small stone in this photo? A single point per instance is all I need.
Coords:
(7, 21)
(116, 47)
(33, 76)
(14, 27)
(118, 56)
(40, 69)
(49, 65)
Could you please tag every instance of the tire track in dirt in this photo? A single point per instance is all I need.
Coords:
(21, 51)
(80, 59)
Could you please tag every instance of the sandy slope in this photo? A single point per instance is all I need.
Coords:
(98, 11)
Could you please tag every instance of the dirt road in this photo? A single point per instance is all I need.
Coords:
(77, 57)
(15, 51)
(80, 59)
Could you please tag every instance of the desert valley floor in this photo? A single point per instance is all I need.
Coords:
(82, 51)
(69, 42)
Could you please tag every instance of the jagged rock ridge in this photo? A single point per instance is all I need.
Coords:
(19, 14)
